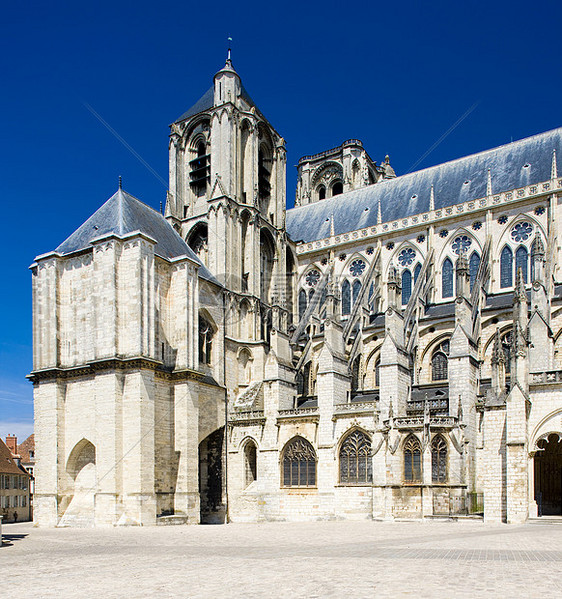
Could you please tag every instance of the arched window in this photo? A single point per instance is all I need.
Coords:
(355, 459)
(299, 464)
(205, 341)
(197, 241)
(522, 261)
(302, 303)
(474, 265)
(406, 286)
(200, 164)
(417, 271)
(265, 160)
(267, 253)
(439, 362)
(438, 460)
(321, 193)
(506, 267)
(412, 460)
(506, 339)
(447, 279)
(337, 188)
(356, 290)
(356, 374)
(377, 373)
(250, 463)
(345, 298)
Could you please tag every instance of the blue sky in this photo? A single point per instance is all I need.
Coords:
(396, 75)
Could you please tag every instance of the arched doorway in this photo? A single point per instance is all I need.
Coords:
(81, 467)
(213, 509)
(548, 475)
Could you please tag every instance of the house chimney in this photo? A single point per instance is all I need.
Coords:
(12, 443)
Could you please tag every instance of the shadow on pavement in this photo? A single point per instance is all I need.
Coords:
(7, 539)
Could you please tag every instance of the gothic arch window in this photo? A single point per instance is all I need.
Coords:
(289, 291)
(321, 192)
(337, 188)
(245, 361)
(303, 302)
(522, 262)
(267, 254)
(265, 162)
(417, 271)
(206, 333)
(406, 286)
(197, 240)
(200, 162)
(438, 460)
(412, 460)
(250, 463)
(246, 164)
(345, 298)
(299, 464)
(439, 362)
(506, 340)
(355, 459)
(356, 374)
(447, 279)
(356, 290)
(506, 267)
(378, 373)
(473, 266)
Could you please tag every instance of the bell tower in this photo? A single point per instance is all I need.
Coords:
(227, 191)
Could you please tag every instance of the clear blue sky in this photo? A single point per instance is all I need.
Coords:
(395, 74)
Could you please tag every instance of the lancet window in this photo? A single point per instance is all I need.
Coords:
(299, 464)
(439, 362)
(406, 286)
(439, 460)
(355, 459)
(474, 265)
(447, 279)
(412, 460)
(250, 463)
(205, 341)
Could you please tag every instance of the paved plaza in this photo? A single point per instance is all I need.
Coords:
(308, 560)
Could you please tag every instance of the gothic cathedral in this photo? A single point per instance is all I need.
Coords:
(389, 348)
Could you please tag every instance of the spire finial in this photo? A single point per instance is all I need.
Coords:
(120, 182)
(379, 213)
(553, 170)
(489, 183)
(229, 49)
(432, 198)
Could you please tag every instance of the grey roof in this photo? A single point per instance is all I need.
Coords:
(205, 102)
(513, 165)
(123, 214)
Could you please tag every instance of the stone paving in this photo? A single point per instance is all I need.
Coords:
(304, 560)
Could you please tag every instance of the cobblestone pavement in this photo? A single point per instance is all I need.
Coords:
(308, 560)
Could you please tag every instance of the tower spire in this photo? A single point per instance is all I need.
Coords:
(229, 49)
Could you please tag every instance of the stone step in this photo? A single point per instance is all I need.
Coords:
(174, 520)
(546, 520)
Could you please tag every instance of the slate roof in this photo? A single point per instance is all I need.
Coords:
(7, 463)
(207, 100)
(123, 214)
(513, 165)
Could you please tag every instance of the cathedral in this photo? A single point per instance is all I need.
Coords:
(389, 348)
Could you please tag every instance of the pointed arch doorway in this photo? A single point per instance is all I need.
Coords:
(213, 508)
(548, 475)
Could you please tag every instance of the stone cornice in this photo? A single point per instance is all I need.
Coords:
(98, 366)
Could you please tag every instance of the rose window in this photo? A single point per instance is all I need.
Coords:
(406, 257)
(312, 278)
(463, 242)
(521, 232)
(357, 268)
